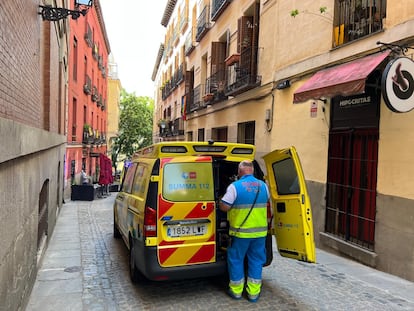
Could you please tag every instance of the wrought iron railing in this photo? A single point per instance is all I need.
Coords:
(217, 7)
(244, 81)
(203, 23)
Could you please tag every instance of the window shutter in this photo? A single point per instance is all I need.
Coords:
(244, 39)
(218, 55)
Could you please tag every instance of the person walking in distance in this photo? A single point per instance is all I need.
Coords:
(245, 202)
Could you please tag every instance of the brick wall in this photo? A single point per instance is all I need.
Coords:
(20, 78)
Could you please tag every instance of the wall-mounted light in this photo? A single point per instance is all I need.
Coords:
(50, 13)
(283, 85)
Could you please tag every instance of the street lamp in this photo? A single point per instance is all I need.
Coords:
(50, 13)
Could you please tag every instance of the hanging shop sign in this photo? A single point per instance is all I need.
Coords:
(397, 84)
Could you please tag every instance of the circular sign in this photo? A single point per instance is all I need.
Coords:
(398, 84)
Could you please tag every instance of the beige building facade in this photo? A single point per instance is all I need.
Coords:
(114, 96)
(310, 74)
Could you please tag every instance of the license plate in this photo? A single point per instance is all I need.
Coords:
(184, 230)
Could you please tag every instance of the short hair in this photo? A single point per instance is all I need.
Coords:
(246, 164)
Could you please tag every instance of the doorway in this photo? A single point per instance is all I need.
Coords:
(352, 168)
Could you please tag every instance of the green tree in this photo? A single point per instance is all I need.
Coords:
(135, 124)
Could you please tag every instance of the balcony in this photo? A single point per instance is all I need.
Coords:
(243, 82)
(196, 101)
(94, 94)
(218, 7)
(189, 44)
(170, 85)
(99, 101)
(183, 21)
(88, 36)
(203, 23)
(95, 51)
(172, 128)
(214, 88)
(87, 137)
(87, 87)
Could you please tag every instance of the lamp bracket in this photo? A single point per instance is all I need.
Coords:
(396, 48)
(50, 13)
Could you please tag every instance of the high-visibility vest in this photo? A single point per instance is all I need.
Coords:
(255, 225)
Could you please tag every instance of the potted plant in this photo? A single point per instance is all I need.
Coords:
(208, 97)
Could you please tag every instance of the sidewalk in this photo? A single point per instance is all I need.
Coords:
(59, 283)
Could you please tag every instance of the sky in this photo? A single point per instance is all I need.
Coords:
(135, 33)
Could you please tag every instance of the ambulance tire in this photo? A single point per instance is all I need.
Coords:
(117, 234)
(135, 275)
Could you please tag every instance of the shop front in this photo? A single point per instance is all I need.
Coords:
(357, 216)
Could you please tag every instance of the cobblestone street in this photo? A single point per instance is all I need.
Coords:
(85, 268)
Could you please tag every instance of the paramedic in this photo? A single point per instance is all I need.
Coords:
(245, 202)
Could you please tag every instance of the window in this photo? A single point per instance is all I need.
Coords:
(84, 115)
(219, 134)
(139, 185)
(75, 59)
(246, 132)
(74, 109)
(188, 182)
(129, 178)
(286, 177)
(201, 134)
(357, 18)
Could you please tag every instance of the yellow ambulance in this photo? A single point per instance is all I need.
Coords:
(167, 208)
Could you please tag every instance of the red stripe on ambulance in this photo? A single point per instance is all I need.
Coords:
(165, 253)
(204, 254)
(201, 211)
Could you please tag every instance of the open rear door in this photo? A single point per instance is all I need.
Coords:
(292, 214)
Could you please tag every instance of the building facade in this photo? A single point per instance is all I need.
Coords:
(313, 75)
(114, 95)
(33, 84)
(87, 97)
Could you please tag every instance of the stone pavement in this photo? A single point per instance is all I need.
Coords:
(73, 277)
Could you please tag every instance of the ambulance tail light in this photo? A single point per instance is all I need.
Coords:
(150, 222)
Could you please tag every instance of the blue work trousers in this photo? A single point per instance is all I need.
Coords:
(254, 249)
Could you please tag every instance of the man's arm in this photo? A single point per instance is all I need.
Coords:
(228, 198)
(223, 206)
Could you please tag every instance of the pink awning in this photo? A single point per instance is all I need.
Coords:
(345, 79)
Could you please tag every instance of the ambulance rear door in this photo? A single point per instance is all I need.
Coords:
(292, 214)
(186, 217)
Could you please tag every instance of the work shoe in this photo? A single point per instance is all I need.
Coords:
(253, 298)
(233, 295)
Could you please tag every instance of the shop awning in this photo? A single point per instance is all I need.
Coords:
(345, 79)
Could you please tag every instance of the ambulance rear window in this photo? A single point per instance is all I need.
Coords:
(185, 182)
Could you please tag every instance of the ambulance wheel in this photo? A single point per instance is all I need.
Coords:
(117, 234)
(135, 275)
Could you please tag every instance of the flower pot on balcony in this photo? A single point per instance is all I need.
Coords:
(208, 97)
(234, 58)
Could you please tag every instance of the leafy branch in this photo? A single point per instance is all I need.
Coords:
(323, 12)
